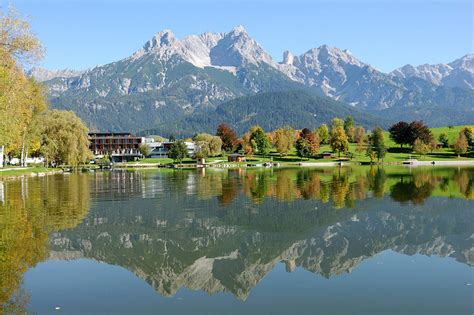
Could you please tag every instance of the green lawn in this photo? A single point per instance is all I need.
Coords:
(10, 172)
(394, 154)
(452, 133)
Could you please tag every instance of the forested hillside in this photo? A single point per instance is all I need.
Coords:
(271, 110)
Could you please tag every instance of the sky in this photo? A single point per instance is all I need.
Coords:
(80, 34)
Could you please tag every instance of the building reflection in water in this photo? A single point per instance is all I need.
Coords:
(224, 230)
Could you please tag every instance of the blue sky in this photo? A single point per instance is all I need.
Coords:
(387, 34)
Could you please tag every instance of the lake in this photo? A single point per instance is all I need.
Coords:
(360, 240)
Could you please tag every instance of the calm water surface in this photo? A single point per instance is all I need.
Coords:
(283, 241)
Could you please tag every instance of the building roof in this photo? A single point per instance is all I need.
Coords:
(111, 134)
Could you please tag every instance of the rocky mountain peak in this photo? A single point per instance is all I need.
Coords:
(228, 50)
(459, 73)
(162, 38)
(41, 74)
(238, 49)
(465, 63)
(238, 30)
(155, 73)
(288, 58)
(211, 39)
(335, 55)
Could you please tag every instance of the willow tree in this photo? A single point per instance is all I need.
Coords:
(64, 138)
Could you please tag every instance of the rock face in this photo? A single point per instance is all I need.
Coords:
(459, 73)
(41, 74)
(199, 72)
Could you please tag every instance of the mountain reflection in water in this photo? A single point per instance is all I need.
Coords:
(224, 230)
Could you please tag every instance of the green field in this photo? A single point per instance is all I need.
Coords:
(452, 133)
(394, 154)
(13, 172)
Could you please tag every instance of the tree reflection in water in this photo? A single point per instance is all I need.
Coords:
(29, 210)
(224, 230)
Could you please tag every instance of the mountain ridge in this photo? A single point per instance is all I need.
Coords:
(171, 78)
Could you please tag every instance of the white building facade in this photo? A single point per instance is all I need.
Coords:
(161, 149)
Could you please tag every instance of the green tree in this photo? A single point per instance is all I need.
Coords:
(360, 146)
(284, 140)
(336, 123)
(145, 150)
(339, 142)
(208, 145)
(323, 134)
(443, 138)
(259, 140)
(349, 128)
(420, 147)
(349, 123)
(178, 151)
(376, 145)
(64, 138)
(303, 148)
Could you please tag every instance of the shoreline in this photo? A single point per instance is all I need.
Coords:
(294, 164)
(27, 172)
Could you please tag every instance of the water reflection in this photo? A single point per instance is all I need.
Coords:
(224, 230)
(29, 210)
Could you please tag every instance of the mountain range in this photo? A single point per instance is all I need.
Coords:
(206, 241)
(175, 85)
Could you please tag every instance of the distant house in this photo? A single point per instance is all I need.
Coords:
(161, 149)
(236, 157)
(327, 155)
(120, 146)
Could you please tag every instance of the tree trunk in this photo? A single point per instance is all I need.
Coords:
(2, 149)
(22, 155)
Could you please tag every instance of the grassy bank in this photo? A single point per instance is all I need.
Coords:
(19, 171)
(393, 156)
